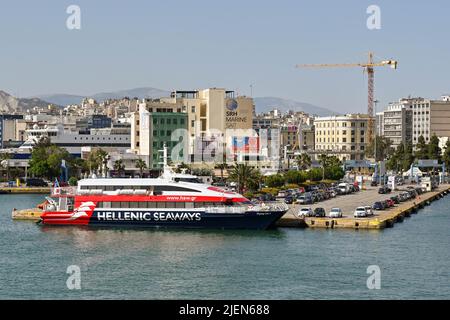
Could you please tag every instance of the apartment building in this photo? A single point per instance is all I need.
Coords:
(409, 118)
(343, 136)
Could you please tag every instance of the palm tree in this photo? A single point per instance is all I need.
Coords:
(102, 157)
(303, 161)
(141, 165)
(323, 160)
(4, 161)
(119, 166)
(222, 167)
(246, 177)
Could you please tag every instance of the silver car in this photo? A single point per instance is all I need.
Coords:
(305, 212)
(360, 212)
(335, 213)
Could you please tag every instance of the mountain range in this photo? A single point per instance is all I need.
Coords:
(9, 103)
(141, 93)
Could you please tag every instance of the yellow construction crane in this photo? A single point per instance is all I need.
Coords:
(369, 67)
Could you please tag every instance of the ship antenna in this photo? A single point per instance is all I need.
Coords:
(167, 170)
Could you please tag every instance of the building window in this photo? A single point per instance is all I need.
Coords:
(193, 109)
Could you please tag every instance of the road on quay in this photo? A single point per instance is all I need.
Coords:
(348, 203)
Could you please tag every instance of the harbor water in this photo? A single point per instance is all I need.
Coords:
(413, 257)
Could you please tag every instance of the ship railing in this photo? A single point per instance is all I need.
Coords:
(63, 191)
(259, 208)
(269, 207)
(226, 210)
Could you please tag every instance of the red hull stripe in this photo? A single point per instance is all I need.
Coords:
(141, 198)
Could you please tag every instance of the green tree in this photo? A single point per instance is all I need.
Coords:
(303, 161)
(141, 165)
(119, 167)
(315, 174)
(383, 148)
(246, 177)
(401, 159)
(222, 166)
(102, 157)
(295, 177)
(446, 156)
(46, 160)
(334, 173)
(434, 151)
(275, 181)
(421, 149)
(4, 162)
(72, 181)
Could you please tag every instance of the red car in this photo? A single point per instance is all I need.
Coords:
(390, 202)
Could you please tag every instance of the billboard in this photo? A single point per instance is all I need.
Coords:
(247, 145)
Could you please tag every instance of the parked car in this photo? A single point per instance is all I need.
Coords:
(36, 182)
(289, 200)
(369, 210)
(395, 199)
(360, 212)
(378, 206)
(265, 197)
(384, 190)
(390, 202)
(412, 193)
(319, 212)
(335, 213)
(304, 199)
(374, 183)
(305, 212)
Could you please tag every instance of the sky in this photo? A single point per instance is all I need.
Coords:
(232, 44)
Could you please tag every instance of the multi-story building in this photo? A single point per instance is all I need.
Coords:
(307, 139)
(343, 136)
(10, 125)
(409, 118)
(397, 123)
(152, 128)
(211, 114)
(95, 121)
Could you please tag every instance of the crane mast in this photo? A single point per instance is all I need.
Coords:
(368, 67)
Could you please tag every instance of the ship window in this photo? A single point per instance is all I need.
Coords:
(170, 205)
(151, 204)
(174, 188)
(106, 204)
(161, 204)
(180, 204)
(142, 204)
(199, 204)
(124, 204)
(115, 205)
(189, 205)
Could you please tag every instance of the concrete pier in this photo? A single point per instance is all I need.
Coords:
(27, 214)
(380, 220)
(25, 190)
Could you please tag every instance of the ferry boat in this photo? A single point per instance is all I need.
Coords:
(172, 200)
